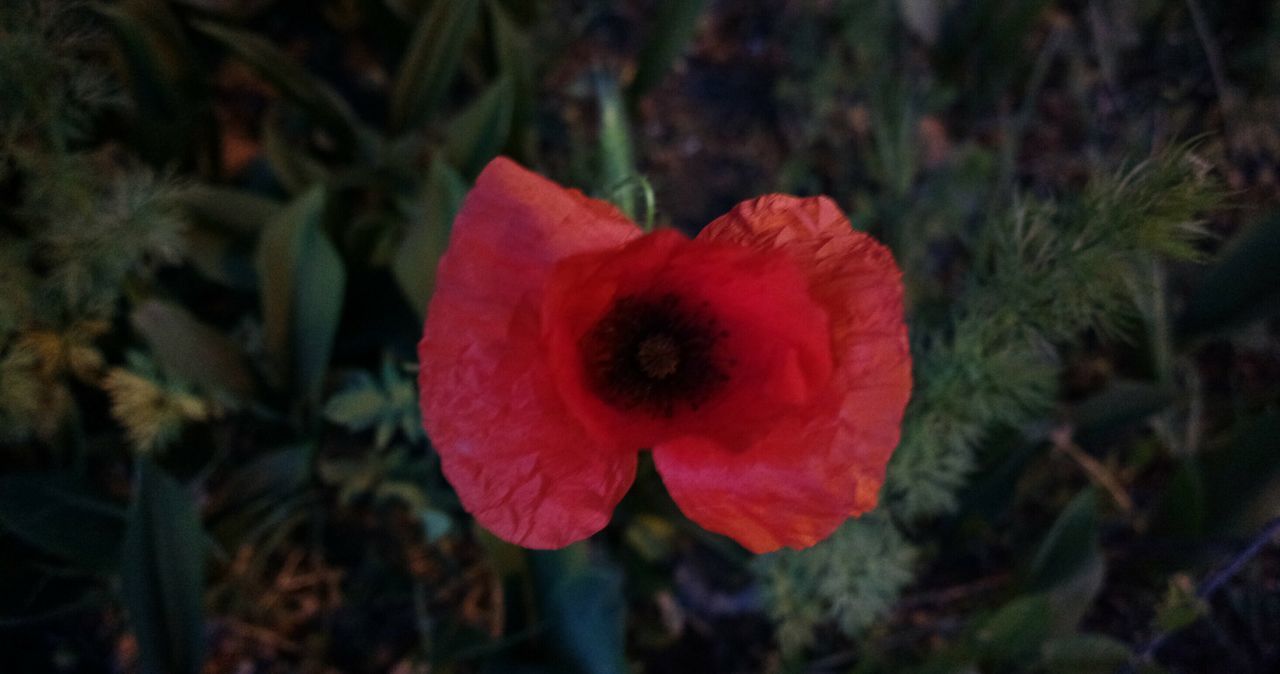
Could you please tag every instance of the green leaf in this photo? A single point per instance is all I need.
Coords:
(294, 82)
(583, 608)
(651, 537)
(62, 517)
(191, 350)
(431, 64)
(1244, 285)
(1084, 653)
(164, 77)
(1242, 480)
(224, 223)
(288, 153)
(150, 74)
(235, 212)
(1119, 406)
(419, 253)
(1069, 543)
(512, 52)
(478, 133)
(1017, 630)
(359, 405)
(1069, 566)
(303, 280)
(1180, 606)
(676, 23)
(617, 161)
(162, 574)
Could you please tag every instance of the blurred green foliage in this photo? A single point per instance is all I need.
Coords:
(219, 224)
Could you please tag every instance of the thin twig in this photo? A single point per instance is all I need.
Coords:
(1097, 472)
(1259, 542)
(1210, 586)
(955, 593)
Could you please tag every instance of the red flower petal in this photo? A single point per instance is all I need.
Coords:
(818, 465)
(733, 294)
(517, 458)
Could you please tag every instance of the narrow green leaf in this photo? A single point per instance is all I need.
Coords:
(1069, 566)
(303, 280)
(429, 67)
(676, 23)
(193, 351)
(162, 574)
(62, 517)
(292, 162)
(617, 161)
(512, 52)
(235, 212)
(1242, 286)
(149, 75)
(321, 281)
(224, 224)
(1071, 540)
(276, 252)
(293, 81)
(480, 131)
(1119, 406)
(419, 254)
(163, 74)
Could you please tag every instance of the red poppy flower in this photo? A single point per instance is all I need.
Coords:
(764, 362)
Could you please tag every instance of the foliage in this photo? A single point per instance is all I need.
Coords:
(81, 225)
(1043, 274)
(385, 405)
(219, 227)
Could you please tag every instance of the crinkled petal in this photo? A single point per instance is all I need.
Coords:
(519, 461)
(818, 465)
(769, 364)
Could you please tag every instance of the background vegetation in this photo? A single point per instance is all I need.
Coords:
(218, 227)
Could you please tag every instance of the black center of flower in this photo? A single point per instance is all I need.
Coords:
(659, 356)
(654, 354)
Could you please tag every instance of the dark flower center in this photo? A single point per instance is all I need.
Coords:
(659, 356)
(654, 354)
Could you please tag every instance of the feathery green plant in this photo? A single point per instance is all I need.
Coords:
(1043, 274)
(79, 219)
